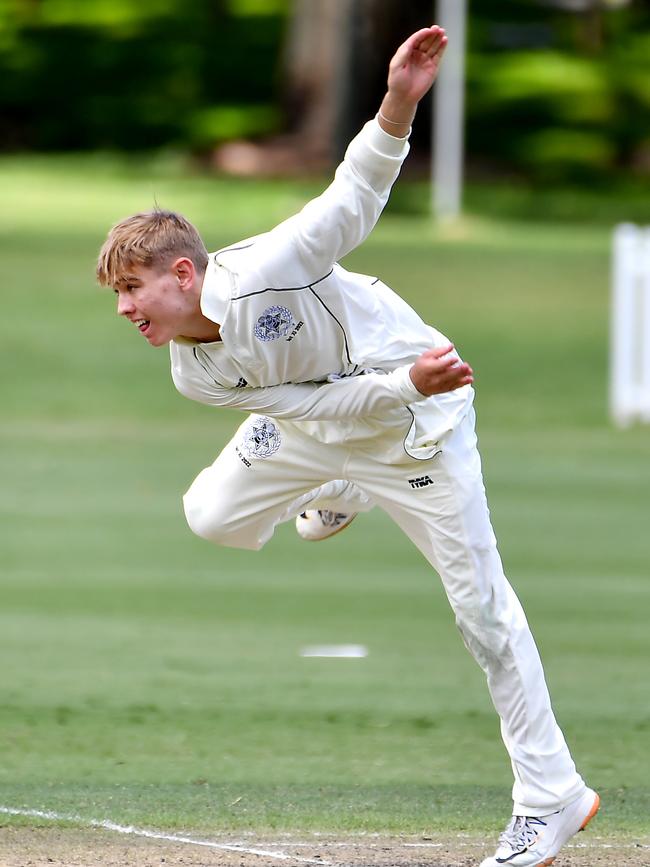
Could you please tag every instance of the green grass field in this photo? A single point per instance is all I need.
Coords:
(150, 678)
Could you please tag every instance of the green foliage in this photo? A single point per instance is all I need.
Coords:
(551, 154)
(569, 87)
(552, 95)
(560, 97)
(127, 75)
(225, 122)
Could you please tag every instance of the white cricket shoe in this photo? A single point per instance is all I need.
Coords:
(534, 841)
(314, 525)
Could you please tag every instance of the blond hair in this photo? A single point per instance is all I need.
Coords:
(152, 239)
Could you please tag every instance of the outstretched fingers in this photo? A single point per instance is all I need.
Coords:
(433, 41)
(413, 69)
(422, 40)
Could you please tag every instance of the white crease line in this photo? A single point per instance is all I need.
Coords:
(462, 843)
(107, 825)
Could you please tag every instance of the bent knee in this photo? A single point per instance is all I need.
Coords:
(213, 523)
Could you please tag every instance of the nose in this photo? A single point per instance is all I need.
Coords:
(124, 304)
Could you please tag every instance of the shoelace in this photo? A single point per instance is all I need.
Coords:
(521, 832)
(331, 519)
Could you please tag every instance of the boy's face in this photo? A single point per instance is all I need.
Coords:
(154, 301)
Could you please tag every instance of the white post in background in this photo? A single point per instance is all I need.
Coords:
(448, 113)
(630, 326)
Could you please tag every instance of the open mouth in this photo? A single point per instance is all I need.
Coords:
(142, 325)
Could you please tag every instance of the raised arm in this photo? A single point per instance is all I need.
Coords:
(330, 226)
(411, 74)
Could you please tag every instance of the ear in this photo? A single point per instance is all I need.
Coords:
(184, 270)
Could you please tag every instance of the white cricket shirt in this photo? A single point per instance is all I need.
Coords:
(305, 340)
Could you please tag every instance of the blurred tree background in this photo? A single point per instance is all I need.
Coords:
(558, 90)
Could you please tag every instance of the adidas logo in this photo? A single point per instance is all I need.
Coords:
(420, 482)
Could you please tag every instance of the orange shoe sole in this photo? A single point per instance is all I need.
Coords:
(594, 809)
(590, 815)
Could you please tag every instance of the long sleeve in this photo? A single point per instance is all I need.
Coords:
(338, 220)
(348, 397)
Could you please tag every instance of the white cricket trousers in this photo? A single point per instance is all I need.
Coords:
(272, 470)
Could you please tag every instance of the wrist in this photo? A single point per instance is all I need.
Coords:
(397, 110)
(391, 123)
(414, 383)
(395, 116)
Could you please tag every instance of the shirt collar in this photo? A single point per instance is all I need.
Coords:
(216, 291)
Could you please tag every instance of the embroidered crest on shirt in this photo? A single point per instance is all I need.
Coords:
(274, 323)
(261, 438)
